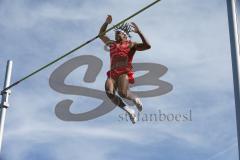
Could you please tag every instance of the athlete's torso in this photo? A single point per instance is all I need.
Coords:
(121, 54)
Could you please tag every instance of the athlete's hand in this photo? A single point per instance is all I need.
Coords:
(109, 19)
(135, 27)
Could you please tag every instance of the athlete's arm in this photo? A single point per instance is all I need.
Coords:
(103, 37)
(140, 46)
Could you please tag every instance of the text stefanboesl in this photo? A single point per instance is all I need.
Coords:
(159, 117)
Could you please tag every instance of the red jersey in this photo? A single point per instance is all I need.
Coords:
(121, 58)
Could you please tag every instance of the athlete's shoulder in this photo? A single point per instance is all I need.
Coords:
(111, 43)
(132, 44)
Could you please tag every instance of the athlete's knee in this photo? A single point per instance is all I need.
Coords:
(110, 94)
(123, 94)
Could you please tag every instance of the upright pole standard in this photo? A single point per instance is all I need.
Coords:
(234, 40)
(4, 102)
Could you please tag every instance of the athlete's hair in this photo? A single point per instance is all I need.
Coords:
(125, 28)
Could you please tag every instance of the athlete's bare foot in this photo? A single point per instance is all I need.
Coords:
(132, 116)
(138, 104)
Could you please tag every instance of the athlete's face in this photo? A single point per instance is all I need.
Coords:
(119, 36)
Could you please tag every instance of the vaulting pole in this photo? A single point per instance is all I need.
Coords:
(4, 102)
(82, 45)
(234, 40)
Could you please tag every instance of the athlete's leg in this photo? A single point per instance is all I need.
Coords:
(110, 88)
(123, 87)
(124, 92)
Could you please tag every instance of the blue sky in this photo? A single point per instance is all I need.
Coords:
(188, 37)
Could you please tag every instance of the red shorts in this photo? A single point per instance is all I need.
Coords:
(115, 73)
